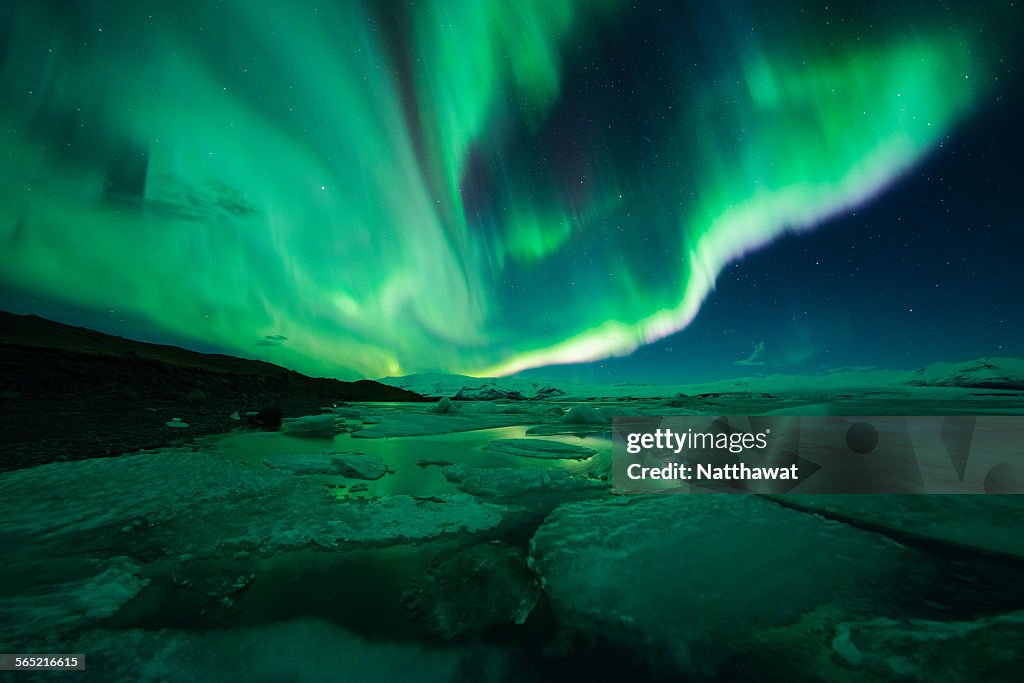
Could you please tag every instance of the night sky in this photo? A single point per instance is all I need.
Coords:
(641, 193)
(931, 271)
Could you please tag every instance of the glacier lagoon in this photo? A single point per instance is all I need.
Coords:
(468, 562)
(603, 192)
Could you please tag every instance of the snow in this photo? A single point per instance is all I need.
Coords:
(990, 373)
(475, 388)
(983, 373)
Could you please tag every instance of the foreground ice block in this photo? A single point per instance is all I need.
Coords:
(981, 524)
(178, 502)
(682, 578)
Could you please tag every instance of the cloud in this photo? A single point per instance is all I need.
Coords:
(755, 356)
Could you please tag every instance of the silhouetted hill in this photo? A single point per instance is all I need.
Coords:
(68, 392)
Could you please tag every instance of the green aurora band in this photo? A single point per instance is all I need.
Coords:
(444, 185)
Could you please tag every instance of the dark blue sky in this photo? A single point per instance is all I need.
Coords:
(933, 270)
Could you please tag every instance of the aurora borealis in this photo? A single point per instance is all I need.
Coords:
(477, 186)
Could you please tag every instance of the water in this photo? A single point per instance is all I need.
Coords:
(350, 600)
(401, 454)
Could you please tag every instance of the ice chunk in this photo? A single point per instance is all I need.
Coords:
(311, 426)
(509, 482)
(352, 465)
(424, 462)
(51, 608)
(406, 518)
(443, 406)
(225, 506)
(989, 525)
(346, 412)
(305, 649)
(582, 414)
(837, 644)
(114, 492)
(687, 576)
(921, 650)
(540, 448)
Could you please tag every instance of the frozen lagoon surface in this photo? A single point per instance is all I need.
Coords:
(480, 556)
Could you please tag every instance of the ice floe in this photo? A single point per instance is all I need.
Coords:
(55, 606)
(351, 465)
(985, 524)
(683, 576)
(512, 482)
(180, 502)
(311, 426)
(540, 448)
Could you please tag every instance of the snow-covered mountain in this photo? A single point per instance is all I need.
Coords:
(983, 373)
(463, 387)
